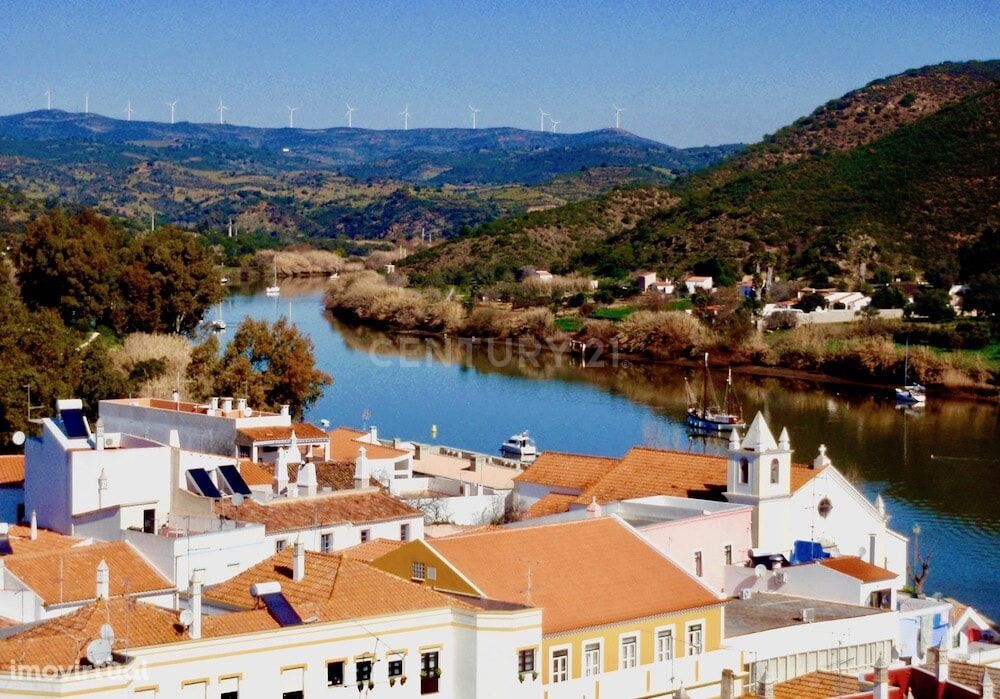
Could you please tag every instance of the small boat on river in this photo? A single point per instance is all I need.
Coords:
(707, 414)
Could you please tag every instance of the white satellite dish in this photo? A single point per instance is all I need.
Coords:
(18, 438)
(247, 412)
(107, 633)
(237, 499)
(759, 570)
(98, 652)
(324, 422)
(862, 552)
(187, 616)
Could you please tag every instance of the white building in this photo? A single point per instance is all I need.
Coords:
(695, 283)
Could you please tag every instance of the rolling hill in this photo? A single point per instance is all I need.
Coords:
(332, 182)
(904, 172)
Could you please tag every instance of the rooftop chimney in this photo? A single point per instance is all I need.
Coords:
(227, 405)
(881, 679)
(195, 593)
(299, 561)
(241, 404)
(593, 509)
(478, 462)
(285, 410)
(373, 434)
(937, 659)
(213, 403)
(175, 396)
(281, 472)
(103, 581)
(987, 691)
(306, 480)
(765, 686)
(34, 525)
(99, 435)
(727, 689)
(362, 477)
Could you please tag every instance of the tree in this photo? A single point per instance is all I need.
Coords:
(933, 304)
(810, 302)
(721, 271)
(888, 297)
(271, 364)
(982, 275)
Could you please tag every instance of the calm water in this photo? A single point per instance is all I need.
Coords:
(937, 467)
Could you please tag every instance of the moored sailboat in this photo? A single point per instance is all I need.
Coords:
(708, 415)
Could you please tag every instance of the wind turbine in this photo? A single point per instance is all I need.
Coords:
(128, 111)
(406, 117)
(618, 116)
(291, 116)
(554, 124)
(541, 119)
(350, 113)
(474, 110)
(48, 98)
(222, 108)
(172, 106)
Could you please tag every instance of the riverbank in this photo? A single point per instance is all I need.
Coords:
(860, 353)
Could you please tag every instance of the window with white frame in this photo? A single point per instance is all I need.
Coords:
(695, 639)
(560, 665)
(418, 571)
(629, 652)
(366, 535)
(727, 554)
(592, 659)
(664, 645)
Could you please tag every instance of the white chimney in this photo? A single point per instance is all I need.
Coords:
(765, 686)
(298, 561)
(34, 525)
(373, 434)
(881, 679)
(727, 689)
(241, 404)
(103, 581)
(99, 435)
(195, 594)
(306, 480)
(362, 477)
(594, 510)
(175, 396)
(285, 410)
(937, 659)
(988, 690)
(174, 439)
(213, 403)
(227, 405)
(281, 472)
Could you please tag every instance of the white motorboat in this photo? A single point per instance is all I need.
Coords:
(520, 446)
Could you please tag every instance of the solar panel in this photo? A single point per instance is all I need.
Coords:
(74, 423)
(203, 483)
(234, 479)
(281, 609)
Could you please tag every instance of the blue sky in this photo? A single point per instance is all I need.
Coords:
(687, 74)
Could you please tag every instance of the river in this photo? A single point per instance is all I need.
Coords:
(935, 467)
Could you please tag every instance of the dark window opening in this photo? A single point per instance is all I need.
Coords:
(526, 660)
(395, 668)
(429, 670)
(363, 671)
(335, 674)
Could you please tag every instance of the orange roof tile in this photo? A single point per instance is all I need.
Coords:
(19, 540)
(564, 470)
(550, 504)
(344, 446)
(69, 575)
(12, 469)
(370, 550)
(336, 475)
(645, 471)
(971, 675)
(255, 474)
(303, 431)
(290, 514)
(334, 587)
(583, 574)
(815, 685)
(858, 569)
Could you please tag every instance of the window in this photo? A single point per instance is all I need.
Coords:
(326, 543)
(229, 695)
(244, 452)
(592, 659)
(432, 573)
(366, 535)
(699, 569)
(664, 645)
(429, 669)
(396, 667)
(526, 660)
(880, 599)
(280, 545)
(629, 654)
(744, 471)
(560, 665)
(335, 674)
(229, 688)
(695, 641)
(404, 532)
(20, 512)
(727, 554)
(294, 694)
(149, 521)
(775, 471)
(824, 508)
(363, 670)
(418, 571)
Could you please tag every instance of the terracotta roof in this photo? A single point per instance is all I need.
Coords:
(645, 471)
(303, 430)
(290, 514)
(344, 446)
(858, 569)
(971, 675)
(815, 685)
(564, 470)
(334, 587)
(550, 504)
(62, 641)
(256, 474)
(583, 574)
(370, 550)
(12, 469)
(336, 475)
(69, 575)
(19, 541)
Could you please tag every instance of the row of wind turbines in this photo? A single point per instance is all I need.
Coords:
(543, 116)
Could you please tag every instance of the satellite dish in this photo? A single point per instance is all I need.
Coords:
(187, 616)
(862, 552)
(237, 499)
(98, 652)
(107, 633)
(324, 422)
(247, 412)
(18, 438)
(759, 570)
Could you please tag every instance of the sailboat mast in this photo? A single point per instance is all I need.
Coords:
(704, 388)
